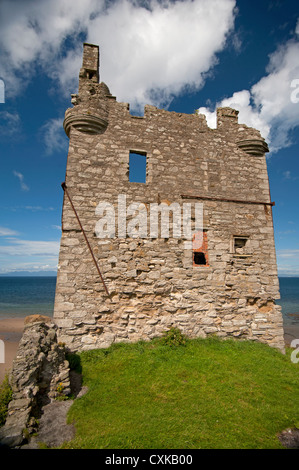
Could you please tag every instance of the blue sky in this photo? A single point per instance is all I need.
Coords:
(180, 55)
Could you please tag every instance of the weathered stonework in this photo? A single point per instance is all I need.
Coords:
(40, 373)
(155, 283)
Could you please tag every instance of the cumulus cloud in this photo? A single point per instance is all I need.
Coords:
(248, 114)
(34, 33)
(271, 105)
(150, 50)
(155, 52)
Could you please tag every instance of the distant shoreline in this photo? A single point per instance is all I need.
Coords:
(54, 274)
(28, 275)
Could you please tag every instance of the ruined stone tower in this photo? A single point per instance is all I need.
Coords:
(220, 280)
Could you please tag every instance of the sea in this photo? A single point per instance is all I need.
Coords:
(22, 296)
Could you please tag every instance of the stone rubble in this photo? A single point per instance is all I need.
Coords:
(40, 373)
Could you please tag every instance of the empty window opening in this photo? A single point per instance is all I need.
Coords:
(199, 258)
(200, 248)
(240, 245)
(90, 74)
(137, 167)
(136, 113)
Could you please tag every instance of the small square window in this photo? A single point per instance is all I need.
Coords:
(199, 258)
(137, 167)
(240, 245)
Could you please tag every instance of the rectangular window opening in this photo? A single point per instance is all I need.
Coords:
(200, 248)
(137, 167)
(240, 245)
(199, 258)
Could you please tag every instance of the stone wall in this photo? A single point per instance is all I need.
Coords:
(154, 282)
(40, 373)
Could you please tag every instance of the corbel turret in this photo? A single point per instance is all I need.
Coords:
(252, 145)
(90, 111)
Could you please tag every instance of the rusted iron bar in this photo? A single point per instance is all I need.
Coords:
(239, 201)
(64, 187)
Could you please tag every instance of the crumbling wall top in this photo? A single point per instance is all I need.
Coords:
(90, 64)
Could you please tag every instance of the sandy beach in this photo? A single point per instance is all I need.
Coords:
(11, 332)
(291, 332)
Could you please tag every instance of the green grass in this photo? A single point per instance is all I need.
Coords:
(5, 397)
(212, 393)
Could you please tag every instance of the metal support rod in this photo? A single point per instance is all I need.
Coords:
(64, 187)
(239, 201)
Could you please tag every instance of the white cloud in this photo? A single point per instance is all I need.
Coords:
(270, 105)
(272, 94)
(155, 52)
(28, 255)
(10, 123)
(23, 185)
(287, 175)
(288, 253)
(28, 267)
(288, 271)
(7, 232)
(19, 247)
(247, 114)
(38, 208)
(54, 136)
(288, 262)
(150, 50)
(34, 32)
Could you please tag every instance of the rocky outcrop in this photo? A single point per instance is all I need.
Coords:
(289, 438)
(40, 374)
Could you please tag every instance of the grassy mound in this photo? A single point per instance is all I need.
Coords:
(177, 394)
